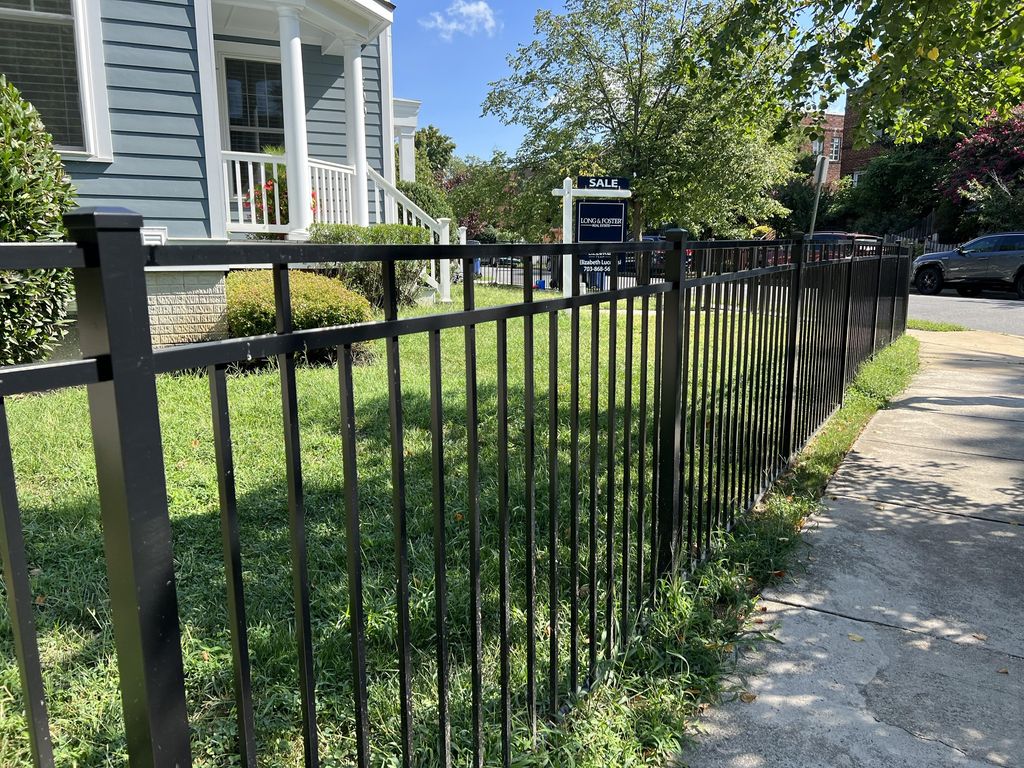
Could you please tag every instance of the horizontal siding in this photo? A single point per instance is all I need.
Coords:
(155, 117)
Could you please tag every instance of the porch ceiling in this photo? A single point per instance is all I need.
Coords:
(324, 22)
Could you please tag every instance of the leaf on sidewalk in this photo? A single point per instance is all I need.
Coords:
(747, 697)
(1003, 671)
(855, 637)
(979, 636)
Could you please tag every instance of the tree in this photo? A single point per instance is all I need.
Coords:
(625, 87)
(921, 67)
(898, 189)
(438, 149)
(996, 149)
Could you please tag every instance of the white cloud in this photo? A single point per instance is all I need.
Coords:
(467, 18)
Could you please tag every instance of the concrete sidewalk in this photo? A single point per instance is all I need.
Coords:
(901, 631)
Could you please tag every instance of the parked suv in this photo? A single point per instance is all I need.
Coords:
(993, 261)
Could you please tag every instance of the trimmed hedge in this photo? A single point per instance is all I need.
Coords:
(366, 278)
(34, 196)
(317, 302)
(376, 234)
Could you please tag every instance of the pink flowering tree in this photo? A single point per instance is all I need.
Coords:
(994, 151)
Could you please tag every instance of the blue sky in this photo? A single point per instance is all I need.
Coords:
(445, 54)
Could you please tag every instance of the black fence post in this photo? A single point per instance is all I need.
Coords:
(673, 328)
(847, 320)
(113, 320)
(878, 295)
(793, 323)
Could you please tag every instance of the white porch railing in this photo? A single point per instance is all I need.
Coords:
(332, 192)
(254, 201)
(257, 203)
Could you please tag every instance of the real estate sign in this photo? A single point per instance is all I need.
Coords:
(585, 183)
(600, 222)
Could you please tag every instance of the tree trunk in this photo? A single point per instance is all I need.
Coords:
(638, 219)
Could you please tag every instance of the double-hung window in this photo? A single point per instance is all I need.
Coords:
(834, 149)
(51, 51)
(254, 104)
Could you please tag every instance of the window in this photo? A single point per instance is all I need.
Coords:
(856, 177)
(834, 149)
(817, 146)
(45, 51)
(1011, 243)
(982, 244)
(254, 104)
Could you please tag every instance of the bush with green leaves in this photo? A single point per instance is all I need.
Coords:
(317, 302)
(34, 195)
(366, 278)
(433, 201)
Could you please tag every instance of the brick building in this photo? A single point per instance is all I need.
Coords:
(855, 159)
(830, 144)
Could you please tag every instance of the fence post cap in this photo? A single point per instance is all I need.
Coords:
(676, 235)
(102, 217)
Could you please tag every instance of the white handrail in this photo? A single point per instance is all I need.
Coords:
(394, 197)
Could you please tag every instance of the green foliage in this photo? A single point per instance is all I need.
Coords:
(897, 189)
(920, 67)
(317, 302)
(625, 88)
(431, 199)
(375, 234)
(366, 278)
(34, 195)
(997, 205)
(438, 149)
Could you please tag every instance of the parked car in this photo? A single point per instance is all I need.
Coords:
(992, 261)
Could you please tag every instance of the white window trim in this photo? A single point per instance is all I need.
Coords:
(231, 49)
(92, 85)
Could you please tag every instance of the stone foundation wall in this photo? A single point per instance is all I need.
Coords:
(187, 307)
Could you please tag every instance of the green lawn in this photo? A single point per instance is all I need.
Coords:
(53, 455)
(934, 325)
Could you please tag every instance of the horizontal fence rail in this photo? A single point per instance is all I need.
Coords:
(561, 458)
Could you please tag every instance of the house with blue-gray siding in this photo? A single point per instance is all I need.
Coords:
(220, 119)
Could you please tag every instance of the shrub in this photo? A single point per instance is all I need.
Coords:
(366, 278)
(317, 302)
(433, 201)
(34, 195)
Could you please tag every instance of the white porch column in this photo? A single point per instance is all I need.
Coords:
(406, 153)
(300, 190)
(355, 116)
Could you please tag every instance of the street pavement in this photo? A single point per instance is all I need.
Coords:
(898, 631)
(997, 312)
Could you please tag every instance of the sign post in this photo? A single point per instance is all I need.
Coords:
(593, 187)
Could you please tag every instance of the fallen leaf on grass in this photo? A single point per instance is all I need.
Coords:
(856, 638)
(778, 574)
(747, 697)
(40, 599)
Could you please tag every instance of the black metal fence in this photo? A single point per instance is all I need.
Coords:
(674, 404)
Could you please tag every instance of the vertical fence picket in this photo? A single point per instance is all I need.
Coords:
(231, 543)
(296, 520)
(353, 556)
(19, 605)
(399, 514)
